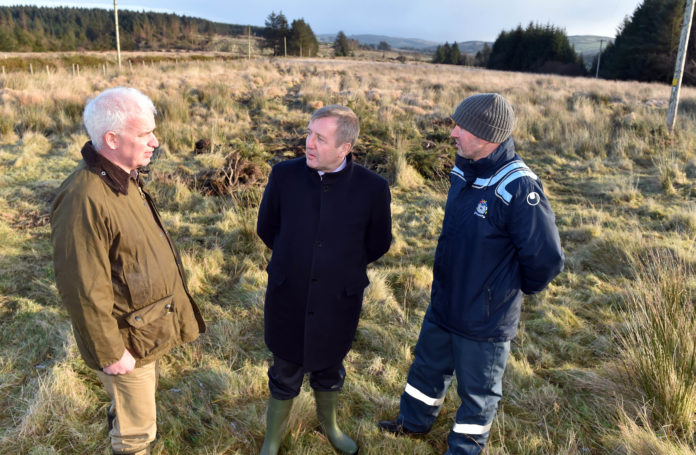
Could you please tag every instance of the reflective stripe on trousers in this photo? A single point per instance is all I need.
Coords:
(479, 367)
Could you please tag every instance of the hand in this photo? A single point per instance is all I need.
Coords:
(123, 366)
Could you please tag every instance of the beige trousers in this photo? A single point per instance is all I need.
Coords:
(133, 408)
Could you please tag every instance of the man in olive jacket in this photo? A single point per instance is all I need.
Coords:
(117, 270)
(325, 218)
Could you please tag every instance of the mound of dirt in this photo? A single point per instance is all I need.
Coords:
(236, 172)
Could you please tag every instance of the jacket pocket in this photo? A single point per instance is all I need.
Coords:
(348, 306)
(151, 328)
(357, 287)
(275, 278)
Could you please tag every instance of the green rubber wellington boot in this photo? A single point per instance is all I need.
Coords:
(326, 413)
(276, 421)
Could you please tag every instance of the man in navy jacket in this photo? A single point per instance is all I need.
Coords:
(325, 218)
(499, 240)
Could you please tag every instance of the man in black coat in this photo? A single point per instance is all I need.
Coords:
(325, 218)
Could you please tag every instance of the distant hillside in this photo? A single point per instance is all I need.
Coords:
(37, 29)
(465, 47)
(588, 45)
(395, 43)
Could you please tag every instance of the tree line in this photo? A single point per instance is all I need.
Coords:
(295, 39)
(450, 54)
(38, 29)
(645, 48)
(537, 48)
(646, 45)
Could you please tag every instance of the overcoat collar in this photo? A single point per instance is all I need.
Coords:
(334, 177)
(110, 173)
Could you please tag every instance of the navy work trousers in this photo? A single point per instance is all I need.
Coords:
(479, 366)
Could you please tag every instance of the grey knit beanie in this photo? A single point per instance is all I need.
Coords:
(488, 116)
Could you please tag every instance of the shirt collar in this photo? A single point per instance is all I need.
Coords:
(338, 169)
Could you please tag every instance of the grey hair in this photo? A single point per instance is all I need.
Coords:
(348, 125)
(110, 110)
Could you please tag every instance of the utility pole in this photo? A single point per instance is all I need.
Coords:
(118, 43)
(599, 57)
(285, 47)
(679, 66)
(249, 55)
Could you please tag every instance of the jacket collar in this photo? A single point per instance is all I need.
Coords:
(111, 174)
(488, 165)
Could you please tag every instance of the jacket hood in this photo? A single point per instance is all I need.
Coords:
(112, 175)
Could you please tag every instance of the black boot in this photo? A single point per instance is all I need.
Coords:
(396, 427)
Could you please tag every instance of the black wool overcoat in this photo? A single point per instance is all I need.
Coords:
(323, 232)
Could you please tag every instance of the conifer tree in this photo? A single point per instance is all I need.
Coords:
(535, 49)
(440, 55)
(276, 30)
(646, 45)
(303, 42)
(342, 45)
(455, 56)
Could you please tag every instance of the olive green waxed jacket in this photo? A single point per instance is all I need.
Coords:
(118, 272)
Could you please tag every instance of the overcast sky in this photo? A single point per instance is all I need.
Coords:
(432, 20)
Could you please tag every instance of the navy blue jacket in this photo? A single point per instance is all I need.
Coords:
(499, 240)
(323, 233)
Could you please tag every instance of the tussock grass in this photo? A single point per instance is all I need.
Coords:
(637, 438)
(657, 346)
(621, 187)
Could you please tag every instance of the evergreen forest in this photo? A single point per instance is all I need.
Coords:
(41, 29)
(647, 43)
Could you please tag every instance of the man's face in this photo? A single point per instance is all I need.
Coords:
(135, 144)
(470, 146)
(322, 152)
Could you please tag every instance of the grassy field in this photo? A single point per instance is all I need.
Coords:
(605, 360)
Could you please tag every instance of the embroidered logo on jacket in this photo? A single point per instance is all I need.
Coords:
(481, 209)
